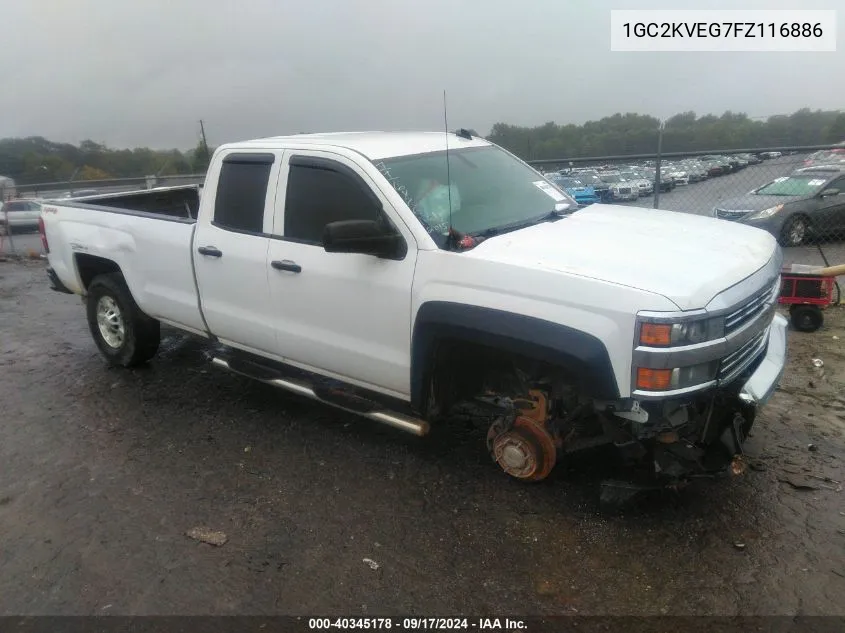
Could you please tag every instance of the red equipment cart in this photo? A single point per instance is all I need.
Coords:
(807, 290)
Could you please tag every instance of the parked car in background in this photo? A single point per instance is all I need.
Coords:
(645, 186)
(738, 161)
(769, 155)
(825, 157)
(20, 215)
(816, 169)
(793, 208)
(591, 178)
(583, 194)
(679, 175)
(751, 158)
(696, 170)
(620, 189)
(666, 181)
(715, 166)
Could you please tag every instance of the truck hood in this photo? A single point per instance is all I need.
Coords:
(688, 259)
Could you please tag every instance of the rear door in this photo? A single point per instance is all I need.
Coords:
(341, 314)
(230, 249)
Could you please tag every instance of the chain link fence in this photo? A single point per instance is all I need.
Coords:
(795, 193)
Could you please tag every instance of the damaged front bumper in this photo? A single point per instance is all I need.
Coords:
(702, 435)
(763, 382)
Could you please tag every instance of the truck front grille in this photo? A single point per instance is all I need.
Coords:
(751, 309)
(733, 364)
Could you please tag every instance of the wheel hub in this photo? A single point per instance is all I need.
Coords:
(110, 322)
(515, 455)
(525, 451)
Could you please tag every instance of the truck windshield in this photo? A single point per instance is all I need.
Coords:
(490, 189)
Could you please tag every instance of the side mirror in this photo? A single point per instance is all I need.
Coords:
(829, 192)
(366, 237)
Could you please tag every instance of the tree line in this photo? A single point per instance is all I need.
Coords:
(685, 132)
(37, 160)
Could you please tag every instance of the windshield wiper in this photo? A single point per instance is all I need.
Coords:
(551, 216)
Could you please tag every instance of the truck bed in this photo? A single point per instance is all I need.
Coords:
(147, 235)
(173, 202)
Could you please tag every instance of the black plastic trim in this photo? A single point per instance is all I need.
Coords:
(327, 164)
(139, 214)
(250, 158)
(582, 354)
(56, 283)
(230, 229)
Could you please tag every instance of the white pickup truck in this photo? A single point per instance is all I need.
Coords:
(414, 277)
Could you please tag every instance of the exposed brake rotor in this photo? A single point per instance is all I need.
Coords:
(525, 451)
(522, 444)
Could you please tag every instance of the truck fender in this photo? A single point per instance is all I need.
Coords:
(582, 354)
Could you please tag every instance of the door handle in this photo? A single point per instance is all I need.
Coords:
(286, 264)
(210, 251)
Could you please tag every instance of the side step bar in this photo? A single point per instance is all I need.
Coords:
(391, 418)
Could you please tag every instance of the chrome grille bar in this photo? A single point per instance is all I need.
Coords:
(749, 310)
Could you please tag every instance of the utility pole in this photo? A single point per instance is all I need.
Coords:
(204, 141)
(657, 181)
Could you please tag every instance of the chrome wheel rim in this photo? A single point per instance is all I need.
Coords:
(797, 231)
(110, 322)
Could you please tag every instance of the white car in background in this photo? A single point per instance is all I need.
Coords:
(19, 215)
(620, 188)
(645, 187)
(679, 175)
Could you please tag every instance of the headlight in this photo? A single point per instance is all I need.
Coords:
(765, 213)
(683, 333)
(652, 333)
(677, 378)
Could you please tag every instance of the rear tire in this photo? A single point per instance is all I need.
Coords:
(806, 318)
(125, 336)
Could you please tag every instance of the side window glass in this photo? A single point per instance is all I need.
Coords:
(241, 192)
(318, 195)
(839, 183)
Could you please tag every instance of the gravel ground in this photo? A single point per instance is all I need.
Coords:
(102, 473)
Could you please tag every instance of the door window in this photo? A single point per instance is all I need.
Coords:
(319, 194)
(241, 192)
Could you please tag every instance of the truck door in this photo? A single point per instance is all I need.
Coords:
(230, 248)
(341, 314)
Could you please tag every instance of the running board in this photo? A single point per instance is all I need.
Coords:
(397, 420)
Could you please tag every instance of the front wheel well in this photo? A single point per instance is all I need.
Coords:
(91, 266)
(462, 370)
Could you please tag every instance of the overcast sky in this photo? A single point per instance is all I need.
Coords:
(143, 72)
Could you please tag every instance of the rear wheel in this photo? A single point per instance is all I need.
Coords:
(124, 335)
(806, 318)
(794, 232)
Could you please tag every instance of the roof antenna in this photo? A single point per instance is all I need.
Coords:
(448, 169)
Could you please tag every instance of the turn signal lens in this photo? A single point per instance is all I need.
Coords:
(656, 334)
(654, 379)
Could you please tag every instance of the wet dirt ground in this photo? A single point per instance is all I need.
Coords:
(103, 471)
